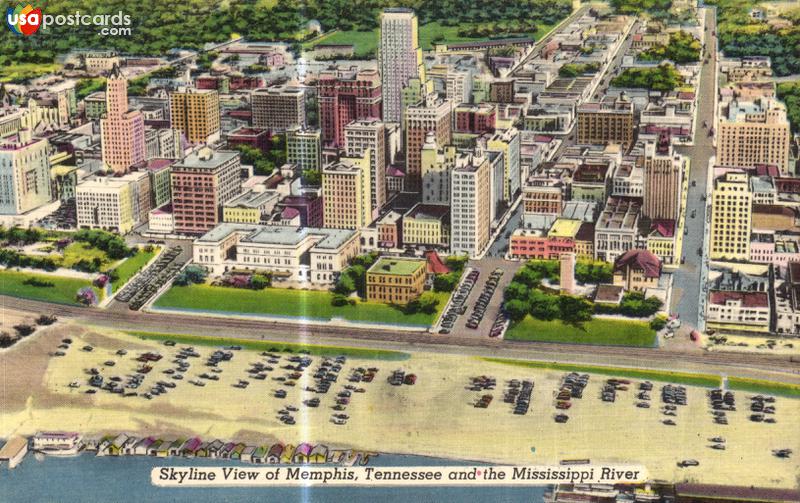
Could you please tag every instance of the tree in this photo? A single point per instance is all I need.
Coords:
(6, 340)
(344, 285)
(428, 303)
(574, 309)
(658, 323)
(24, 330)
(544, 306)
(445, 282)
(516, 291)
(517, 309)
(191, 274)
(260, 281)
(312, 178)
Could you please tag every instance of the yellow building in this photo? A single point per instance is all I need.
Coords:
(427, 224)
(249, 207)
(396, 280)
(584, 242)
(195, 112)
(661, 241)
(731, 215)
(346, 193)
(565, 228)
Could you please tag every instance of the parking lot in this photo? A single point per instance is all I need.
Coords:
(145, 284)
(480, 311)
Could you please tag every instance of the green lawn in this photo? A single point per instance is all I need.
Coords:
(286, 302)
(285, 347)
(596, 331)
(75, 252)
(764, 387)
(366, 42)
(63, 290)
(707, 380)
(130, 267)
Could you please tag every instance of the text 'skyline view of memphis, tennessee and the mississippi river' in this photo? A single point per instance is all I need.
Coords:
(430, 250)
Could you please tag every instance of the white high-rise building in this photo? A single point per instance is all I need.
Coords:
(400, 58)
(370, 134)
(470, 205)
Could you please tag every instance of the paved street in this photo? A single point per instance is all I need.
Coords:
(686, 280)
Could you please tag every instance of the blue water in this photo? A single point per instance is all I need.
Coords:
(91, 479)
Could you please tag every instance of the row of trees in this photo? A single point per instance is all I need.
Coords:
(789, 92)
(572, 70)
(20, 237)
(12, 258)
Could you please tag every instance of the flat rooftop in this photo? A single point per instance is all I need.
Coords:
(278, 235)
(396, 266)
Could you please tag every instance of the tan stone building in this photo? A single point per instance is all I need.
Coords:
(278, 108)
(637, 270)
(607, 121)
(731, 217)
(754, 132)
(195, 113)
(346, 193)
(396, 280)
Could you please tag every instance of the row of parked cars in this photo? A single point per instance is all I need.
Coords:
(483, 301)
(142, 287)
(458, 305)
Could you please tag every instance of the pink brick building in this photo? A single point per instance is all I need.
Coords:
(122, 129)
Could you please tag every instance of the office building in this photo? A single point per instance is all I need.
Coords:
(278, 108)
(607, 121)
(122, 129)
(663, 178)
(470, 205)
(396, 280)
(754, 133)
(24, 174)
(345, 96)
(399, 58)
(346, 192)
(304, 148)
(195, 113)
(201, 184)
(731, 215)
(115, 204)
(370, 135)
(420, 120)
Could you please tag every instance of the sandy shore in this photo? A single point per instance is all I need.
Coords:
(434, 417)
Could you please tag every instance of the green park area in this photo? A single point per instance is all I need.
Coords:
(600, 331)
(272, 346)
(290, 303)
(691, 379)
(44, 287)
(365, 43)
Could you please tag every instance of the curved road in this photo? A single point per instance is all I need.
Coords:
(779, 367)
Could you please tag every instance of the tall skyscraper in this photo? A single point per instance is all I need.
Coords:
(508, 143)
(731, 217)
(345, 96)
(470, 205)
(754, 133)
(122, 130)
(195, 112)
(420, 120)
(662, 184)
(364, 135)
(400, 58)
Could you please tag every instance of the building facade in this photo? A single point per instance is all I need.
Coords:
(122, 129)
(278, 108)
(346, 96)
(731, 215)
(399, 58)
(195, 113)
(24, 174)
(395, 280)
